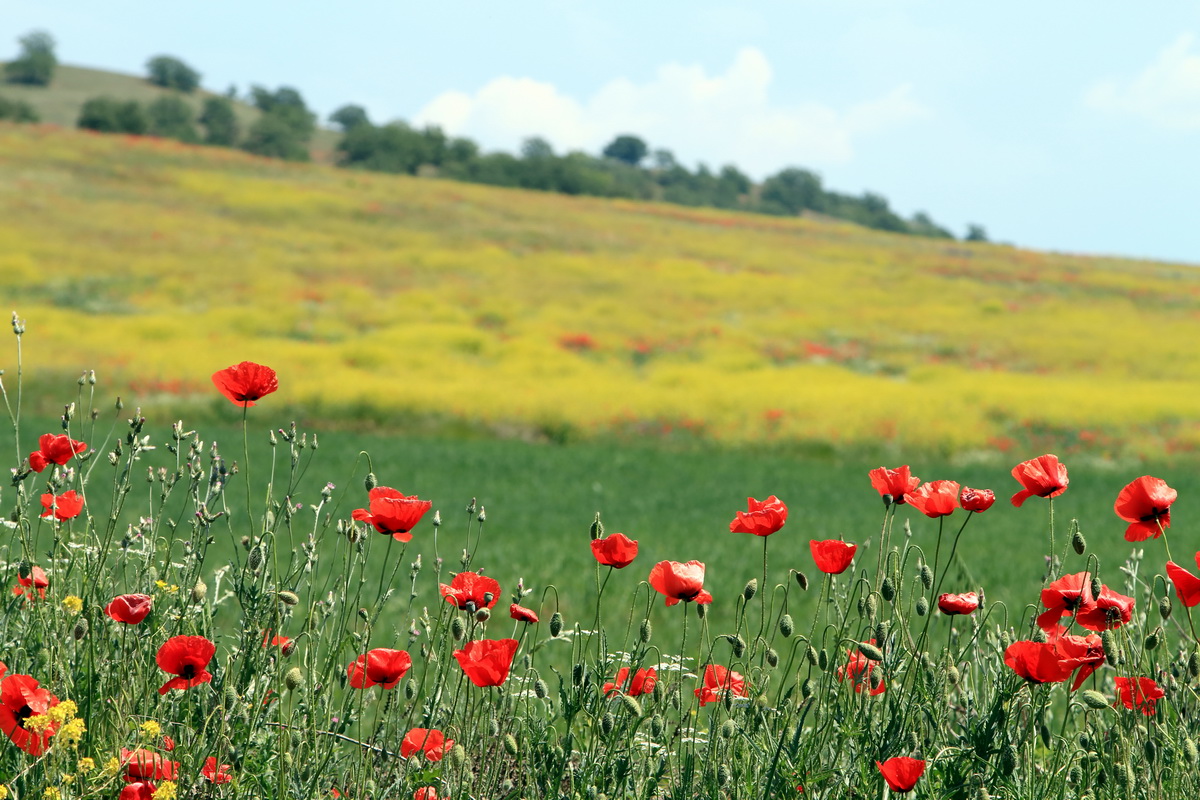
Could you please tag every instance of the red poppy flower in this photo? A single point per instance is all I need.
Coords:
(130, 608)
(1063, 597)
(615, 550)
(1043, 476)
(897, 482)
(1187, 585)
(858, 670)
(1082, 653)
(486, 662)
(186, 657)
(423, 740)
(965, 603)
(139, 790)
(522, 614)
(215, 773)
(392, 512)
(1141, 692)
(832, 556)
(276, 641)
(1145, 504)
(762, 519)
(245, 382)
(142, 764)
(1109, 610)
(643, 682)
(901, 773)
(36, 579)
(54, 449)
(427, 793)
(20, 699)
(935, 499)
(469, 591)
(1038, 662)
(977, 499)
(718, 682)
(168, 743)
(680, 582)
(381, 665)
(62, 507)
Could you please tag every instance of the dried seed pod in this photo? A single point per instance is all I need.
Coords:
(199, 591)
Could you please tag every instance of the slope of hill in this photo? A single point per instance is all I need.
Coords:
(60, 102)
(397, 301)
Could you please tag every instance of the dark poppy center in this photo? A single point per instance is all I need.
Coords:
(23, 714)
(687, 598)
(188, 671)
(1154, 515)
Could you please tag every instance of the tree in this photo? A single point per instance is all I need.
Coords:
(535, 147)
(170, 116)
(793, 190)
(975, 233)
(629, 149)
(219, 121)
(349, 116)
(17, 111)
(36, 63)
(285, 127)
(171, 73)
(108, 115)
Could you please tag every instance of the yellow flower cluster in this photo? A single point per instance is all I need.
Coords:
(85, 766)
(167, 790)
(63, 711)
(38, 723)
(151, 729)
(72, 732)
(112, 766)
(73, 604)
(170, 588)
(51, 793)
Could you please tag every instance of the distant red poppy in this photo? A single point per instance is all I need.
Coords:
(392, 512)
(216, 773)
(615, 550)
(1110, 610)
(245, 382)
(138, 790)
(832, 556)
(275, 641)
(643, 682)
(680, 582)
(901, 773)
(896, 483)
(1141, 692)
(187, 658)
(36, 579)
(142, 764)
(54, 449)
(763, 518)
(935, 499)
(20, 699)
(427, 793)
(522, 614)
(470, 591)
(858, 670)
(486, 662)
(62, 507)
(977, 499)
(130, 608)
(1082, 653)
(1063, 597)
(381, 666)
(168, 743)
(965, 603)
(432, 743)
(719, 681)
(1043, 476)
(1145, 504)
(1038, 662)
(1187, 585)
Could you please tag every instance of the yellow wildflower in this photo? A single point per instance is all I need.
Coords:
(167, 790)
(67, 779)
(151, 729)
(51, 793)
(85, 765)
(73, 604)
(3, 792)
(72, 732)
(112, 766)
(63, 711)
(38, 723)
(171, 588)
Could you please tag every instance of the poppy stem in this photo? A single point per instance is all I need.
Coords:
(762, 590)
(940, 576)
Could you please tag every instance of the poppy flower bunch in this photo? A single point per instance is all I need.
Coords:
(392, 512)
(245, 382)
(382, 666)
(486, 662)
(680, 582)
(62, 507)
(22, 699)
(143, 765)
(471, 591)
(214, 772)
(643, 682)
(762, 518)
(615, 550)
(1072, 595)
(431, 743)
(185, 657)
(54, 449)
(719, 681)
(1140, 693)
(1145, 503)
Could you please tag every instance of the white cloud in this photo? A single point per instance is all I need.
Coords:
(722, 118)
(1166, 93)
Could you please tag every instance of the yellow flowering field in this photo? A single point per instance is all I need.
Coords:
(398, 301)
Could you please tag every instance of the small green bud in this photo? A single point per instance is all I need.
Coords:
(786, 626)
(556, 624)
(1153, 638)
(596, 531)
(952, 675)
(701, 610)
(772, 657)
(1078, 543)
(410, 691)
(577, 674)
(728, 729)
(872, 606)
(1164, 607)
(607, 723)
(926, 576)
(370, 481)
(199, 591)
(289, 598)
(802, 579)
(81, 629)
(1093, 699)
(738, 644)
(750, 589)
(806, 688)
(811, 655)
(483, 615)
(293, 679)
(724, 776)
(656, 726)
(1008, 759)
(255, 559)
(887, 590)
(870, 651)
(458, 756)
(1039, 636)
(822, 660)
(645, 632)
(632, 706)
(1097, 587)
(1190, 750)
(458, 628)
(1194, 665)
(922, 606)
(540, 689)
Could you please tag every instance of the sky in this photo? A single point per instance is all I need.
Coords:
(1069, 126)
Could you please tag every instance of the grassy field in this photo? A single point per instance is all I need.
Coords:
(416, 304)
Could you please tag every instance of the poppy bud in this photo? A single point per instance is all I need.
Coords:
(881, 631)
(870, 651)
(872, 606)
(1153, 638)
(772, 657)
(1109, 642)
(370, 482)
(289, 598)
(255, 559)
(596, 531)
(952, 675)
(887, 589)
(1008, 759)
(926, 576)
(822, 660)
(458, 756)
(410, 690)
(482, 615)
(364, 614)
(540, 690)
(631, 705)
(750, 590)
(1151, 750)
(786, 626)
(862, 606)
(738, 644)
(811, 655)
(1190, 750)
(887, 499)
(510, 743)
(1194, 665)
(607, 723)
(471, 507)
(230, 698)
(437, 519)
(922, 606)
(1075, 774)
(1097, 586)
(287, 648)
(802, 579)
(728, 729)
(806, 688)
(701, 610)
(458, 628)
(876, 681)
(577, 674)
(1078, 543)
(656, 725)
(1093, 699)
(1164, 607)
(982, 794)
(81, 628)
(723, 773)
(645, 631)
(199, 591)
(556, 623)
(293, 678)
(482, 514)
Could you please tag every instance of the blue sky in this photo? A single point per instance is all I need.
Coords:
(1064, 125)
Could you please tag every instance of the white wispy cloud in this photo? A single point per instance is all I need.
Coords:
(1166, 93)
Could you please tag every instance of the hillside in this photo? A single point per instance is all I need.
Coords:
(60, 102)
(402, 302)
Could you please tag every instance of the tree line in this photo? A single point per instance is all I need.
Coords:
(625, 168)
